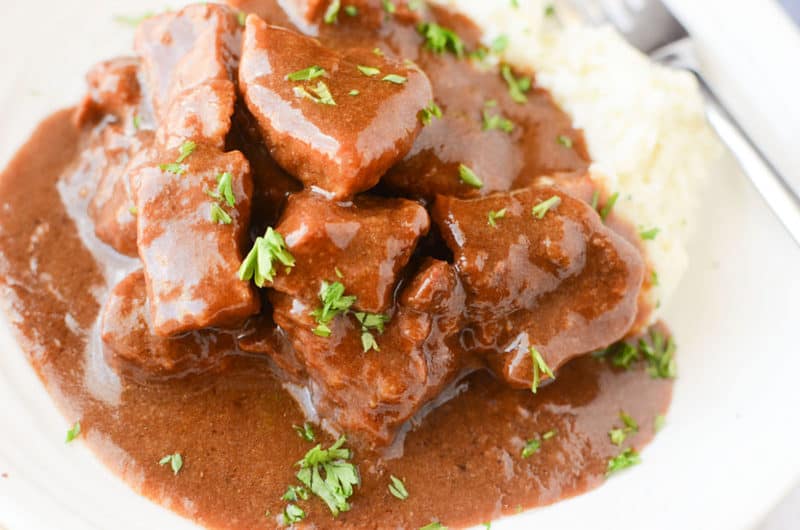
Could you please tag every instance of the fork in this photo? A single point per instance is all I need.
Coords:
(649, 26)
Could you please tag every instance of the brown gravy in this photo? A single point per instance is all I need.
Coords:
(462, 466)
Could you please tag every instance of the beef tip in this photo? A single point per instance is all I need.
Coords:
(308, 14)
(112, 207)
(113, 89)
(191, 254)
(199, 113)
(564, 283)
(371, 394)
(261, 335)
(184, 50)
(363, 244)
(130, 345)
(340, 129)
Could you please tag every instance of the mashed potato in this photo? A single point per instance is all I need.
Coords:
(644, 124)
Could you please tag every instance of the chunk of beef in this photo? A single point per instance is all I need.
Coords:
(319, 129)
(112, 207)
(191, 258)
(131, 346)
(370, 395)
(113, 89)
(564, 283)
(363, 244)
(201, 113)
(308, 14)
(186, 49)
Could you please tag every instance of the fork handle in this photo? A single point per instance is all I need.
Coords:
(780, 197)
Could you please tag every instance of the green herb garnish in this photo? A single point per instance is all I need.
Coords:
(328, 475)
(260, 261)
(295, 493)
(396, 79)
(609, 206)
(334, 303)
(618, 435)
(649, 235)
(219, 216)
(241, 18)
(389, 6)
(499, 44)
(137, 122)
(371, 322)
(660, 356)
(323, 94)
(469, 177)
(531, 447)
(439, 39)
(541, 209)
(517, 87)
(428, 113)
(73, 432)
(332, 13)
(224, 191)
(595, 199)
(186, 149)
(292, 514)
(564, 140)
(175, 461)
(307, 74)
(306, 431)
(496, 121)
(627, 458)
(368, 71)
(539, 367)
(397, 488)
(494, 216)
(659, 422)
(353, 93)
(351, 11)
(436, 525)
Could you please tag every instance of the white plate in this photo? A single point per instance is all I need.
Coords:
(729, 450)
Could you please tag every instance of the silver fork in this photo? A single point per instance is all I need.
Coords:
(649, 26)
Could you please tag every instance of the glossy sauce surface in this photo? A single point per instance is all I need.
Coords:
(232, 418)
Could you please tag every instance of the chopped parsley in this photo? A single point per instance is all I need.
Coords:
(659, 422)
(307, 74)
(609, 206)
(185, 150)
(323, 94)
(564, 140)
(352, 11)
(389, 6)
(428, 113)
(500, 44)
(306, 431)
(595, 199)
(73, 432)
(219, 216)
(332, 13)
(397, 488)
(469, 177)
(654, 278)
(133, 210)
(494, 216)
(224, 191)
(328, 475)
(334, 303)
(517, 88)
(539, 367)
(649, 235)
(415, 5)
(531, 447)
(241, 18)
(175, 461)
(549, 434)
(295, 493)
(660, 356)
(495, 121)
(292, 514)
(353, 92)
(550, 10)
(396, 79)
(369, 322)
(259, 264)
(617, 434)
(368, 71)
(436, 525)
(541, 209)
(137, 122)
(439, 39)
(377, 51)
(627, 458)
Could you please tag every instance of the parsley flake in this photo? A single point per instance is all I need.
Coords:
(369, 322)
(609, 206)
(468, 176)
(328, 475)
(186, 149)
(323, 94)
(500, 44)
(539, 367)
(496, 121)
(352, 11)
(549, 434)
(517, 87)
(541, 209)
(368, 71)
(259, 262)
(649, 235)
(73, 432)
(389, 6)
(219, 216)
(439, 39)
(332, 13)
(295, 493)
(618, 435)
(306, 431)
(494, 216)
(224, 191)
(564, 140)
(396, 79)
(436, 525)
(660, 356)
(175, 461)
(307, 74)
(659, 422)
(531, 447)
(292, 514)
(353, 93)
(137, 122)
(397, 488)
(334, 303)
(627, 458)
(428, 113)
(241, 18)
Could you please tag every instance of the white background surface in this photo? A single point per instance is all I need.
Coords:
(729, 451)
